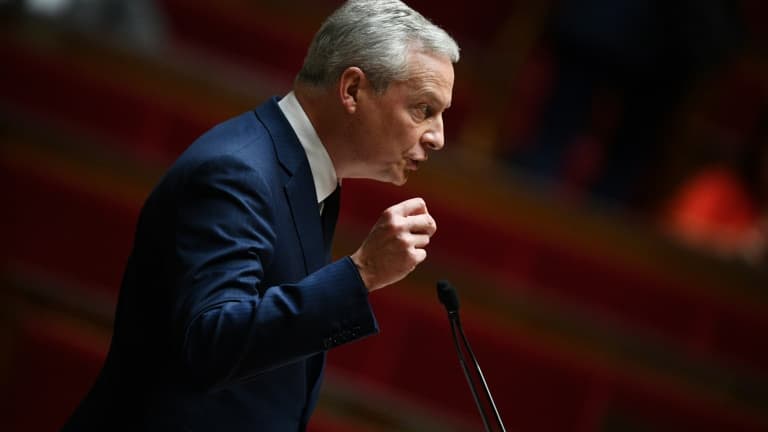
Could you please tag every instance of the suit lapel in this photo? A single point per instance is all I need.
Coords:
(306, 219)
(328, 220)
(300, 187)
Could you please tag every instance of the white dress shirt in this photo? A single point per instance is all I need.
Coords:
(323, 172)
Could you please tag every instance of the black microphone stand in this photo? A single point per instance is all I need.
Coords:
(448, 296)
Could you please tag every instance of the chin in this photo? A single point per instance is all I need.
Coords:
(397, 176)
(399, 180)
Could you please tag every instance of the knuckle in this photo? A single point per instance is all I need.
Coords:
(390, 222)
(417, 255)
(390, 213)
(413, 257)
(402, 239)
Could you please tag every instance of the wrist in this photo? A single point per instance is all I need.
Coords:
(361, 269)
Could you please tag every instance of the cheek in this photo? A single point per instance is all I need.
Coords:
(411, 141)
(407, 135)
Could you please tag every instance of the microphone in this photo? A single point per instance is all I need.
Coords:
(448, 296)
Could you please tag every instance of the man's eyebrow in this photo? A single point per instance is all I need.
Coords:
(435, 98)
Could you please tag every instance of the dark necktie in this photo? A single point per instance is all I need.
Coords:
(328, 219)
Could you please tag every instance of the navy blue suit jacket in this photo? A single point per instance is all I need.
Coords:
(228, 301)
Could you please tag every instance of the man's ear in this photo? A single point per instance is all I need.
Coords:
(349, 87)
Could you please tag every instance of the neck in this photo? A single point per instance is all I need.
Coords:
(328, 119)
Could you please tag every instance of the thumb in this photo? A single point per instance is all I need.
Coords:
(411, 207)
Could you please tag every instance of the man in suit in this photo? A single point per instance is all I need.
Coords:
(229, 299)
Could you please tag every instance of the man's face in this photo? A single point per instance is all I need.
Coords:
(400, 126)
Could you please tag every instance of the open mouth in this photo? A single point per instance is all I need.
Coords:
(413, 164)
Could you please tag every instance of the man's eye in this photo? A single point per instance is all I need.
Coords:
(425, 110)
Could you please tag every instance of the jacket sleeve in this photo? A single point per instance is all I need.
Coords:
(231, 326)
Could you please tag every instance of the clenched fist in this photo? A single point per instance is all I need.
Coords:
(395, 245)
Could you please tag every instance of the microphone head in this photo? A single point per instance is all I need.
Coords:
(448, 296)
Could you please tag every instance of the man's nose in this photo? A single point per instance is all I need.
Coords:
(434, 138)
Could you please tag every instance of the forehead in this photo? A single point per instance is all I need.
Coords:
(430, 75)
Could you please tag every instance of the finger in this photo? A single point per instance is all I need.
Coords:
(419, 240)
(421, 224)
(418, 255)
(410, 207)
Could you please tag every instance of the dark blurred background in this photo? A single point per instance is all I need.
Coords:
(602, 203)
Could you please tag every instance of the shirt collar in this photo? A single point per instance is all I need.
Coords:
(323, 172)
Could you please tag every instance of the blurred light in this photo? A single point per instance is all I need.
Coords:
(47, 7)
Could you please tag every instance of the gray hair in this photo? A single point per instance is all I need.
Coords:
(376, 36)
